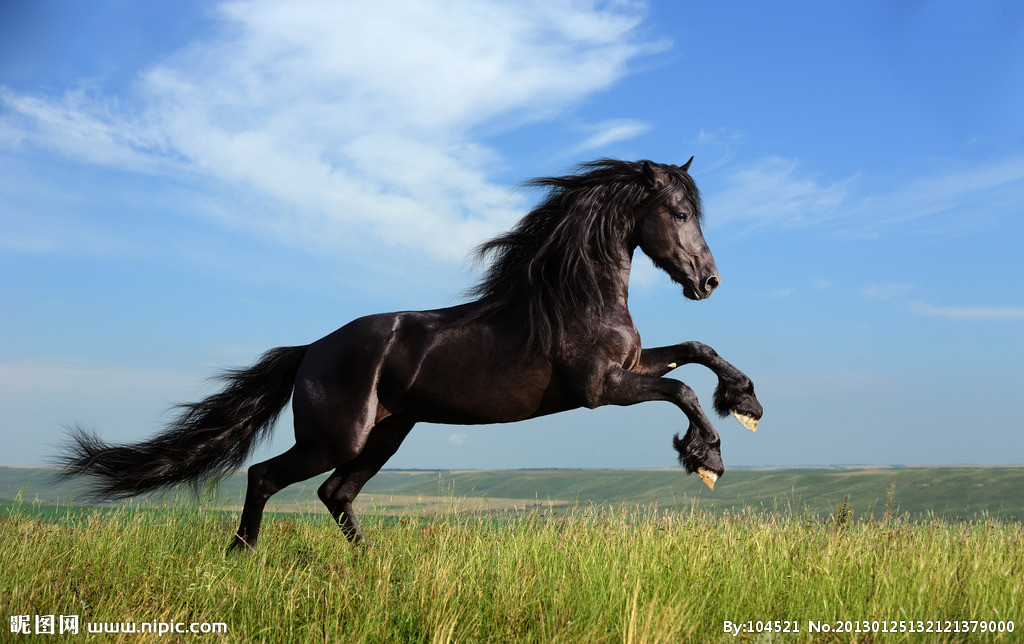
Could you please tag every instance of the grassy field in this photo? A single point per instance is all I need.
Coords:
(597, 574)
(541, 556)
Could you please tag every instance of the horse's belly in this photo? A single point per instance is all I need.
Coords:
(466, 395)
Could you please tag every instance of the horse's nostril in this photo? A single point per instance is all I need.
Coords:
(711, 283)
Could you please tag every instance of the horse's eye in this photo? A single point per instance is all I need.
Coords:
(681, 215)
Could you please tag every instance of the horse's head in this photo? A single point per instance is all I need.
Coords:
(668, 230)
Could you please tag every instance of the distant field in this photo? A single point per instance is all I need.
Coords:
(948, 492)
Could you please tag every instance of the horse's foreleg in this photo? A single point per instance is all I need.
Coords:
(699, 450)
(338, 491)
(735, 391)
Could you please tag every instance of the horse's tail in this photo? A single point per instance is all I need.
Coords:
(207, 439)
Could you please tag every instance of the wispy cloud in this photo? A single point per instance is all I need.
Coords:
(721, 136)
(611, 131)
(969, 312)
(775, 191)
(885, 291)
(350, 120)
(45, 376)
(901, 290)
(780, 192)
(994, 187)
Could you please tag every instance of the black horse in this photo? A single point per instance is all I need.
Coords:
(549, 331)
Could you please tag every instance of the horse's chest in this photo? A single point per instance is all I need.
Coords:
(630, 357)
(619, 345)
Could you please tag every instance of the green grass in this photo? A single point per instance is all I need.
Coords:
(590, 574)
(556, 555)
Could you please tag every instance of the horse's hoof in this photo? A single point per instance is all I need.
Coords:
(747, 421)
(707, 476)
(238, 545)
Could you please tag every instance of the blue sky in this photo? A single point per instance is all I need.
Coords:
(185, 185)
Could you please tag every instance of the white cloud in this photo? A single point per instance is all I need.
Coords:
(773, 191)
(970, 312)
(722, 136)
(457, 439)
(45, 376)
(349, 120)
(885, 291)
(611, 131)
(78, 125)
(995, 187)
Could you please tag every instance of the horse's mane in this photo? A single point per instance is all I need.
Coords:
(546, 272)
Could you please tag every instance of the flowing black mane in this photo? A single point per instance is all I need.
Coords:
(547, 270)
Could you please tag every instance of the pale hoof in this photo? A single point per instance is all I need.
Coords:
(707, 476)
(747, 421)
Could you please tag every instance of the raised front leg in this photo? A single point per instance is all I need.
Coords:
(699, 450)
(735, 391)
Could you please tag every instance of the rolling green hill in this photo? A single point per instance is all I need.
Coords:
(947, 492)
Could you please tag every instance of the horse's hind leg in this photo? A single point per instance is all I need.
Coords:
(341, 488)
(266, 478)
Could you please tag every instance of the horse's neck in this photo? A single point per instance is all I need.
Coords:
(615, 286)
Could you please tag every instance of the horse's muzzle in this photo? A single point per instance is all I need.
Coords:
(709, 284)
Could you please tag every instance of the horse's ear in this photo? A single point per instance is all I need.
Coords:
(686, 166)
(656, 179)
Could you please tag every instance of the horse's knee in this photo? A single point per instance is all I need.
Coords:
(262, 485)
(687, 396)
(326, 490)
(257, 481)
